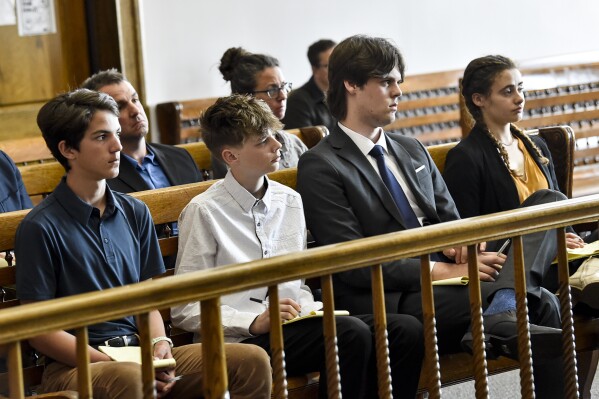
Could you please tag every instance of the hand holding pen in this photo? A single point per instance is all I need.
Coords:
(503, 247)
(288, 309)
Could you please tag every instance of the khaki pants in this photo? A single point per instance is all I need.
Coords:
(248, 368)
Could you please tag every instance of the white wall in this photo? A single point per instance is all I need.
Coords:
(184, 39)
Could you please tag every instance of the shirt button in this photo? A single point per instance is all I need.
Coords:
(106, 240)
(265, 252)
(258, 224)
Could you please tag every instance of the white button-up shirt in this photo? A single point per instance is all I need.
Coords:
(227, 225)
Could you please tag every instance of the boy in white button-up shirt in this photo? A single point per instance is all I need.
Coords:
(245, 217)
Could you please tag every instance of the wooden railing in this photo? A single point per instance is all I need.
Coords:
(76, 312)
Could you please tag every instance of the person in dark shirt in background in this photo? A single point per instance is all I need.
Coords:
(260, 76)
(306, 105)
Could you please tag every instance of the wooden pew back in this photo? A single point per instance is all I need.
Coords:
(429, 108)
(27, 150)
(165, 206)
(41, 179)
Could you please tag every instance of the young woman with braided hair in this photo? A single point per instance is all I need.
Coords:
(498, 168)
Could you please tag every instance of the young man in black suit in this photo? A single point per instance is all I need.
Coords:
(361, 181)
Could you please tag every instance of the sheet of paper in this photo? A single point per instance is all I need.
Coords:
(584, 252)
(452, 281)
(36, 17)
(315, 313)
(133, 354)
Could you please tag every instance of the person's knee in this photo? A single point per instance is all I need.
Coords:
(545, 310)
(353, 331)
(250, 374)
(248, 358)
(120, 380)
(255, 354)
(544, 196)
(407, 331)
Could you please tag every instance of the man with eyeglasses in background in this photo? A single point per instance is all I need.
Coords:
(306, 106)
(260, 76)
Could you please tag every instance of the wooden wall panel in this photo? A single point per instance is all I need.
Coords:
(33, 69)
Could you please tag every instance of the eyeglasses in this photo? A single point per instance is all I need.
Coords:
(273, 92)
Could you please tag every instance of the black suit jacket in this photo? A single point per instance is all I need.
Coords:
(479, 181)
(306, 106)
(177, 164)
(345, 199)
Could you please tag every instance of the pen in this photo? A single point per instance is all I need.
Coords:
(503, 247)
(262, 301)
(177, 378)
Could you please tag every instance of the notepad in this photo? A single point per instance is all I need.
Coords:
(590, 249)
(452, 281)
(133, 354)
(315, 313)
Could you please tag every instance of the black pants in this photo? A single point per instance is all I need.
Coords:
(304, 353)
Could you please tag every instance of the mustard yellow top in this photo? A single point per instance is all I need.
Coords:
(533, 178)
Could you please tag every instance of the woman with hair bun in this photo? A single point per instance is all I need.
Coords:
(260, 76)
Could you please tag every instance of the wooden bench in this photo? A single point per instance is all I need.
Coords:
(303, 387)
(429, 108)
(40, 179)
(456, 368)
(430, 111)
(179, 122)
(27, 150)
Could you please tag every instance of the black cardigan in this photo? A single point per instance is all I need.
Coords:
(478, 179)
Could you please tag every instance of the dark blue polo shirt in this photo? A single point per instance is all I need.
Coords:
(64, 248)
(13, 196)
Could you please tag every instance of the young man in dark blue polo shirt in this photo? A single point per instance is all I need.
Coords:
(85, 237)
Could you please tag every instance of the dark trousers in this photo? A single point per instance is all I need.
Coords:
(452, 309)
(304, 353)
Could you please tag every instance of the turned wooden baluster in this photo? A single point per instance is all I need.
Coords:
(381, 343)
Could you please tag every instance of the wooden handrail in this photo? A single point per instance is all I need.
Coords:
(27, 321)
(73, 312)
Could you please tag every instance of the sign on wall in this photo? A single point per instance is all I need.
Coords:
(36, 17)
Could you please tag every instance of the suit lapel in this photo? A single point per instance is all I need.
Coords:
(408, 169)
(131, 177)
(348, 150)
(165, 165)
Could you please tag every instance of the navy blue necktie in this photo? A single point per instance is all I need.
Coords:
(405, 210)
